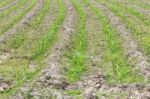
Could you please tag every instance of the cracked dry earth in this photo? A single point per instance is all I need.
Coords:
(52, 82)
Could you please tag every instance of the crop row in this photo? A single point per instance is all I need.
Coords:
(122, 71)
(47, 41)
(139, 28)
(8, 11)
(22, 74)
(16, 19)
(3, 3)
(20, 38)
(77, 54)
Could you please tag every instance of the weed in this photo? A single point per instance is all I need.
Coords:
(19, 39)
(74, 92)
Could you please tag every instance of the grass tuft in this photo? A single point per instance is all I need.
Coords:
(78, 53)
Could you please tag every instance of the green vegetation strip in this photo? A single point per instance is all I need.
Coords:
(130, 10)
(139, 30)
(5, 2)
(140, 3)
(18, 18)
(122, 71)
(20, 38)
(8, 11)
(42, 14)
(23, 74)
(47, 41)
(79, 45)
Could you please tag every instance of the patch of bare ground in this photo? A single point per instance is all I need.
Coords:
(4, 84)
(52, 80)
(131, 47)
(95, 85)
(23, 23)
(144, 1)
(4, 57)
(9, 6)
(130, 91)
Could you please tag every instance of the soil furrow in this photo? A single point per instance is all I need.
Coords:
(39, 52)
(95, 45)
(3, 3)
(131, 47)
(95, 83)
(145, 12)
(140, 9)
(138, 3)
(132, 91)
(95, 86)
(23, 23)
(52, 77)
(9, 6)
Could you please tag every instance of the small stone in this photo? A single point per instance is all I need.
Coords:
(72, 87)
(59, 84)
(84, 84)
(139, 87)
(93, 64)
(3, 87)
(97, 85)
(89, 94)
(47, 77)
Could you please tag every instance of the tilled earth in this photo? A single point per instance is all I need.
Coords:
(51, 82)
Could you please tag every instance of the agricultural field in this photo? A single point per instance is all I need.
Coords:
(74, 49)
